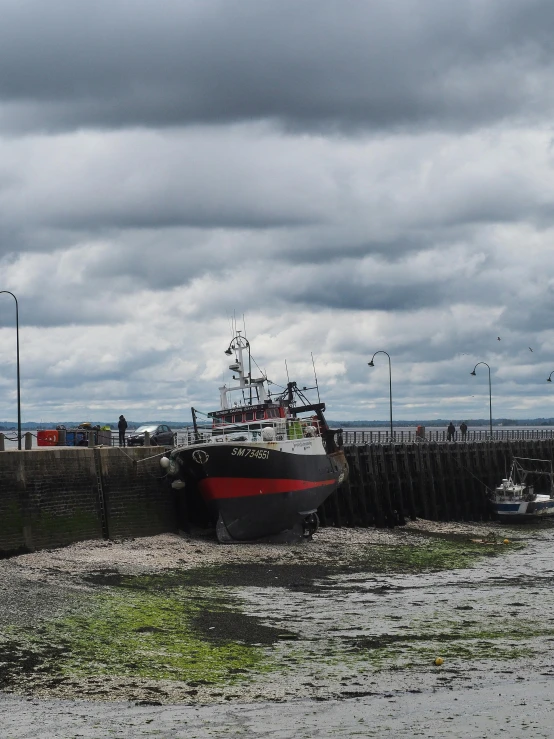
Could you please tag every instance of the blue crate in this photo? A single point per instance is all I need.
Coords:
(81, 438)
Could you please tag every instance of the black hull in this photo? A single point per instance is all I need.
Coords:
(259, 492)
(268, 515)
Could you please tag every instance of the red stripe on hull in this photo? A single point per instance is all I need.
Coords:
(216, 488)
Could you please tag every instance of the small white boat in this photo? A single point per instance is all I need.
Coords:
(515, 498)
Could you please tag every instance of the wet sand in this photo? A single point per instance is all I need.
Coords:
(340, 636)
(522, 709)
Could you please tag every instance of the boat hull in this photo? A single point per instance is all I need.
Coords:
(258, 491)
(516, 511)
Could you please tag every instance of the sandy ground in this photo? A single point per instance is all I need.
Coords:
(168, 551)
(492, 608)
(516, 711)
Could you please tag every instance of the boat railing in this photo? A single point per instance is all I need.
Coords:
(281, 429)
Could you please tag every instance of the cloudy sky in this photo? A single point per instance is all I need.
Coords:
(349, 175)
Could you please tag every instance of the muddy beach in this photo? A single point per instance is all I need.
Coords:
(178, 636)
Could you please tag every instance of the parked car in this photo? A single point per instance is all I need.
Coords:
(161, 434)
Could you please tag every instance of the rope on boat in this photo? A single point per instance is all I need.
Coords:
(138, 461)
(461, 466)
(124, 454)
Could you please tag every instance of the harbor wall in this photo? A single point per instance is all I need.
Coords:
(55, 496)
(440, 481)
(52, 497)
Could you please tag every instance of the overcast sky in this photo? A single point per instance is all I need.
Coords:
(349, 175)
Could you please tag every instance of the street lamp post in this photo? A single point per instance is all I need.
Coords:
(18, 378)
(370, 364)
(490, 394)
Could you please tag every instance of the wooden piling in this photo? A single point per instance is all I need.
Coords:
(409, 478)
(364, 516)
(434, 480)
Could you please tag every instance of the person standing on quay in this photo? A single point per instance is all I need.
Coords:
(463, 429)
(451, 430)
(122, 426)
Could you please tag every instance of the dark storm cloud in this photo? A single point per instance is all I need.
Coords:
(315, 64)
(346, 293)
(73, 186)
(351, 176)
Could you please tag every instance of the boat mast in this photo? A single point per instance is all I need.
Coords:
(237, 345)
(315, 377)
(194, 424)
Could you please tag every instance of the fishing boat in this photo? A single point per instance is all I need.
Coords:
(515, 498)
(265, 463)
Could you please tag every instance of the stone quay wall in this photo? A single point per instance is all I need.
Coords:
(52, 497)
(438, 481)
(55, 496)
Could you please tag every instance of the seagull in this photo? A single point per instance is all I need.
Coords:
(498, 337)
(530, 349)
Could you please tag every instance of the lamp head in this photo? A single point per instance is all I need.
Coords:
(472, 373)
(548, 379)
(370, 364)
(228, 351)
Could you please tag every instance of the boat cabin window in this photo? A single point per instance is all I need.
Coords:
(250, 415)
(238, 417)
(259, 414)
(229, 419)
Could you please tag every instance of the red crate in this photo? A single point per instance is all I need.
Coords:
(47, 437)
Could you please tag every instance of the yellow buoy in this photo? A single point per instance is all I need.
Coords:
(439, 661)
(506, 541)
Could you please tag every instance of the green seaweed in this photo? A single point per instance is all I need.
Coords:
(64, 527)
(129, 633)
(11, 524)
(152, 636)
(429, 555)
(422, 641)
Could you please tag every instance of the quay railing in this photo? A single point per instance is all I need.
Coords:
(410, 435)
(186, 436)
